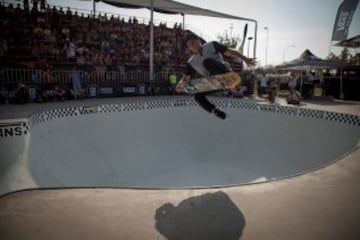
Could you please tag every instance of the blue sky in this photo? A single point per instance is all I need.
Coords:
(307, 24)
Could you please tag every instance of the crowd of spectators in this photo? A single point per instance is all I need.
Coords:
(43, 36)
(45, 39)
(42, 40)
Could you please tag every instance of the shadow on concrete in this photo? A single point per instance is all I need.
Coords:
(210, 216)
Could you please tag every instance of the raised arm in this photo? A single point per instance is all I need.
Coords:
(234, 53)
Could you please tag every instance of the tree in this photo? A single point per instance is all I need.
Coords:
(230, 42)
(355, 60)
(345, 58)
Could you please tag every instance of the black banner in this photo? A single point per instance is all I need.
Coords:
(343, 19)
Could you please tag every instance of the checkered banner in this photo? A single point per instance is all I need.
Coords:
(23, 128)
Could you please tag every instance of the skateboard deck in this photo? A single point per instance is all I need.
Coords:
(215, 83)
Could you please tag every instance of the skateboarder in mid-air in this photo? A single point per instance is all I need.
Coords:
(207, 60)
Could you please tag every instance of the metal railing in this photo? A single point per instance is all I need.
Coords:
(38, 76)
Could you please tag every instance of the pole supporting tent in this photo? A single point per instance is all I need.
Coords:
(173, 7)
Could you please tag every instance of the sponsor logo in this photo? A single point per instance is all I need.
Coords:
(106, 90)
(129, 89)
(88, 110)
(142, 89)
(32, 93)
(268, 108)
(180, 103)
(12, 130)
(341, 25)
(93, 90)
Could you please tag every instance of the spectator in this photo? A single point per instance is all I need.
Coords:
(158, 62)
(21, 94)
(308, 86)
(18, 11)
(173, 78)
(65, 31)
(238, 91)
(272, 93)
(26, 6)
(263, 84)
(113, 42)
(80, 61)
(98, 62)
(153, 89)
(85, 63)
(35, 4)
(68, 12)
(294, 97)
(75, 79)
(4, 95)
(292, 84)
(48, 94)
(38, 32)
(3, 47)
(36, 76)
(70, 51)
(55, 52)
(108, 62)
(327, 83)
(47, 75)
(172, 81)
(42, 5)
(59, 92)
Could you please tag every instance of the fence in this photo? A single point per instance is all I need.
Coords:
(39, 86)
(38, 76)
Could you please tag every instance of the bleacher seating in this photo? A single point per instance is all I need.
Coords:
(50, 36)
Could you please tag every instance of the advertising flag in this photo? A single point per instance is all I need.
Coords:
(343, 19)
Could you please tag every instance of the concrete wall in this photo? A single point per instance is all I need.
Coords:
(166, 144)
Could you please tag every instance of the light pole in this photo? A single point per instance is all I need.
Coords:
(94, 8)
(231, 28)
(286, 51)
(267, 43)
(249, 38)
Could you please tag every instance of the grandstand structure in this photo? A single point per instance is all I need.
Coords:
(40, 46)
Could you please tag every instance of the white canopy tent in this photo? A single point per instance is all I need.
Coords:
(172, 7)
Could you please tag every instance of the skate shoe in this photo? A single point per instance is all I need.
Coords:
(220, 114)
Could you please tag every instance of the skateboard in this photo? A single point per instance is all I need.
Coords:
(214, 83)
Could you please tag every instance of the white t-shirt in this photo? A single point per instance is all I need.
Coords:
(292, 83)
(263, 81)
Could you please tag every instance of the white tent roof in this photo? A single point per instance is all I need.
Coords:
(170, 6)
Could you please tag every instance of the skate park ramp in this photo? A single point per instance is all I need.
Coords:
(170, 144)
